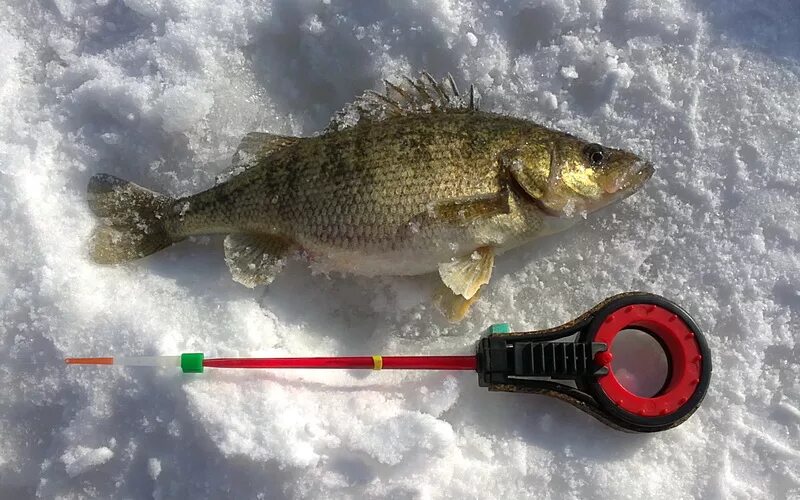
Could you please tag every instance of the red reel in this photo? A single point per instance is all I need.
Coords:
(541, 362)
(687, 354)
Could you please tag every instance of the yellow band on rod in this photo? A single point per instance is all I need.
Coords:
(377, 362)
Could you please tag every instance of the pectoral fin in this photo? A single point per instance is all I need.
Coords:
(255, 259)
(472, 209)
(460, 212)
(465, 275)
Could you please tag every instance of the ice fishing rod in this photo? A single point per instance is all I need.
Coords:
(572, 362)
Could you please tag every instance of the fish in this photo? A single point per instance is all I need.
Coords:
(413, 180)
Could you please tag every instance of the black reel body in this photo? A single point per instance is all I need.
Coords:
(542, 362)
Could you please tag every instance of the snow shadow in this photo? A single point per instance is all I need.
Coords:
(768, 27)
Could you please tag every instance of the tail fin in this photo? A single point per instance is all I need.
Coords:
(132, 220)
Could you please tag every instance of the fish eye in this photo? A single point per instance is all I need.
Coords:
(595, 154)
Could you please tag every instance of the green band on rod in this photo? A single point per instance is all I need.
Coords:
(192, 362)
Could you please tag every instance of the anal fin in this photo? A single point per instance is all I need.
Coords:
(255, 259)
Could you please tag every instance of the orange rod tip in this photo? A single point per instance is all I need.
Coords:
(89, 361)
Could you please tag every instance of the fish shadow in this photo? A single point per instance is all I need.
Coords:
(361, 315)
(358, 314)
(340, 52)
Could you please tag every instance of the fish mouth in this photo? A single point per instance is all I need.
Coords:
(641, 175)
(625, 185)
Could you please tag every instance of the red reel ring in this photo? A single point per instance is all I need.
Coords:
(687, 353)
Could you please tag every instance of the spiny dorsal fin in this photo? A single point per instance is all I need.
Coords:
(405, 97)
(254, 147)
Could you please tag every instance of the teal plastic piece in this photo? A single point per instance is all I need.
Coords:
(499, 328)
(192, 362)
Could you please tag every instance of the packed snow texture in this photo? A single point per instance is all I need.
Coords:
(161, 91)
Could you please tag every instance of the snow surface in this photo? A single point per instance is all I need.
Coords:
(160, 91)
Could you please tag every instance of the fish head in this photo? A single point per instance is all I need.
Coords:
(571, 177)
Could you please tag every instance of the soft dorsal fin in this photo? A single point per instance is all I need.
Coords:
(254, 147)
(407, 96)
(261, 144)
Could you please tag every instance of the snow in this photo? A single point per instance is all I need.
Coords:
(160, 92)
(82, 459)
(154, 468)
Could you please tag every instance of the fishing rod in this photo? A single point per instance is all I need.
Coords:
(572, 362)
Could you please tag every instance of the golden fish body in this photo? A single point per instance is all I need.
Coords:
(399, 196)
(422, 181)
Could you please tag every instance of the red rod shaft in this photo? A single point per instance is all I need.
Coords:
(367, 362)
(429, 362)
